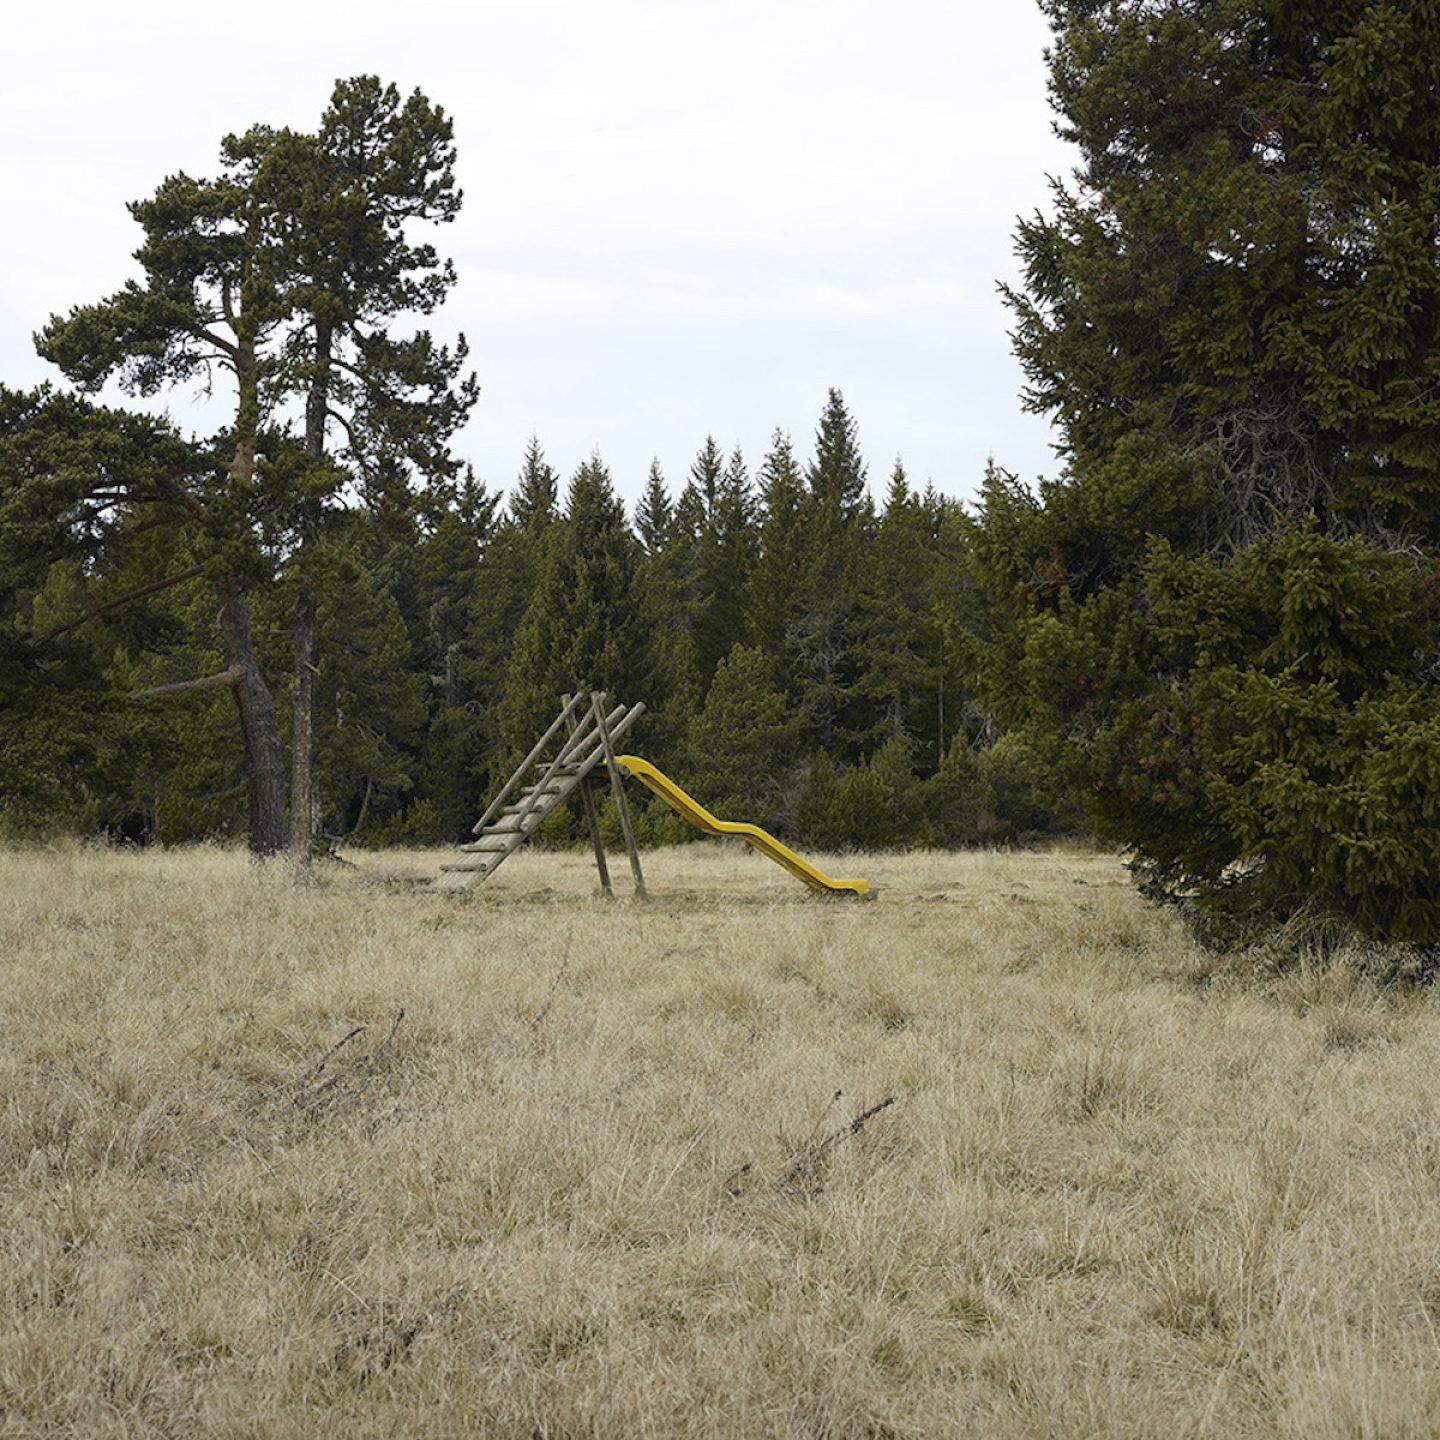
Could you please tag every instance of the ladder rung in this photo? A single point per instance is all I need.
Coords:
(510, 824)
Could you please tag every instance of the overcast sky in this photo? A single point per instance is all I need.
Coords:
(681, 216)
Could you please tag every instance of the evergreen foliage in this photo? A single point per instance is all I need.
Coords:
(1223, 610)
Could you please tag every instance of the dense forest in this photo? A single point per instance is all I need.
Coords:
(802, 653)
(1212, 637)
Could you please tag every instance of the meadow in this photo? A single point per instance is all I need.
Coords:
(1001, 1153)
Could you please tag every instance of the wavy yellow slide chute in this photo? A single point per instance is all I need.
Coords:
(758, 839)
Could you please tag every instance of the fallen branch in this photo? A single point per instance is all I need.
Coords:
(807, 1162)
(384, 1045)
(330, 1054)
(856, 1125)
(544, 1010)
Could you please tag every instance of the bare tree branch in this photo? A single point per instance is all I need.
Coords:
(209, 682)
(152, 588)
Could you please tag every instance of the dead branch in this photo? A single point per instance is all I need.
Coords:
(151, 589)
(544, 1010)
(209, 682)
(331, 1053)
(807, 1162)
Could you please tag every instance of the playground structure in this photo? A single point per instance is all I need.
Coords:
(590, 732)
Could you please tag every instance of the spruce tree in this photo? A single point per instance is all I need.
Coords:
(821, 638)
(741, 743)
(585, 624)
(535, 500)
(837, 473)
(505, 580)
(706, 472)
(1221, 627)
(777, 584)
(652, 514)
(897, 640)
(670, 535)
(725, 558)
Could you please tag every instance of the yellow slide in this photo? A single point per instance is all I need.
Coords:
(752, 835)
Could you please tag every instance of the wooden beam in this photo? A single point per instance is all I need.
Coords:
(617, 786)
(587, 799)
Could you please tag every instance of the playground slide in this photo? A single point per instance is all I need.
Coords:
(758, 839)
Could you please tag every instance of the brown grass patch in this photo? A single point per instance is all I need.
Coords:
(603, 1176)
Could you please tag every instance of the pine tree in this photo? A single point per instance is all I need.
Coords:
(287, 271)
(342, 205)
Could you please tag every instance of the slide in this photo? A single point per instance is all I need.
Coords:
(752, 835)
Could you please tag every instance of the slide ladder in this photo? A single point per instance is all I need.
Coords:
(693, 811)
(516, 813)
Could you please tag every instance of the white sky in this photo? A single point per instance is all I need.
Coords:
(681, 216)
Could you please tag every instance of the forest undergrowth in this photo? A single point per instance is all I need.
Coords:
(1001, 1153)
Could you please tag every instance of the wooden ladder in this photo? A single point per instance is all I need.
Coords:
(517, 812)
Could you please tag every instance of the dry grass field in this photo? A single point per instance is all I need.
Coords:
(601, 1178)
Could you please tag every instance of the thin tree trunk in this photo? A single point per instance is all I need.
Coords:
(302, 739)
(264, 754)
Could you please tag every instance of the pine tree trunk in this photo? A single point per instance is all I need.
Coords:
(302, 739)
(264, 754)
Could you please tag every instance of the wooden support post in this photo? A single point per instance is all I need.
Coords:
(587, 799)
(617, 785)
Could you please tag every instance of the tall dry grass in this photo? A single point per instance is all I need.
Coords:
(601, 1179)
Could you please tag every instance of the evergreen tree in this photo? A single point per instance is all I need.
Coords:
(725, 558)
(777, 584)
(741, 747)
(504, 585)
(288, 271)
(342, 205)
(585, 624)
(536, 497)
(1220, 628)
(208, 299)
(837, 473)
(668, 537)
(706, 473)
(896, 639)
(821, 639)
(653, 513)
